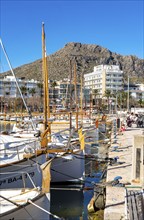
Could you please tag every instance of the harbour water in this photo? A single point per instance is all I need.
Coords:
(70, 202)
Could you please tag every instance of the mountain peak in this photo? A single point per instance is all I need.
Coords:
(87, 56)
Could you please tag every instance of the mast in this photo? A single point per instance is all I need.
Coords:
(81, 104)
(70, 97)
(91, 104)
(76, 99)
(47, 124)
(5, 53)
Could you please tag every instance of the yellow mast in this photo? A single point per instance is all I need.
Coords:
(76, 100)
(47, 125)
(91, 104)
(70, 114)
(81, 99)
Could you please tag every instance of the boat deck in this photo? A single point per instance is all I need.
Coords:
(10, 199)
(12, 148)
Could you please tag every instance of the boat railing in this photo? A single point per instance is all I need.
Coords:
(17, 151)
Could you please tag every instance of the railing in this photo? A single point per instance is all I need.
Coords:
(16, 152)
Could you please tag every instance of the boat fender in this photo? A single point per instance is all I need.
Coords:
(29, 150)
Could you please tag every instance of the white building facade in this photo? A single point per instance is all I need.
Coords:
(136, 91)
(60, 92)
(9, 89)
(104, 77)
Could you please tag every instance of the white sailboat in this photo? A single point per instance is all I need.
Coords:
(20, 157)
(20, 153)
(25, 189)
(68, 164)
(68, 167)
(14, 204)
(26, 203)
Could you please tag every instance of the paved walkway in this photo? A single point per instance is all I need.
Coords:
(115, 196)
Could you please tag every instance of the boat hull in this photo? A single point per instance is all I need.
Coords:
(29, 211)
(68, 168)
(16, 175)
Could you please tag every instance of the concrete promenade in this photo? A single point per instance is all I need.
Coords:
(115, 208)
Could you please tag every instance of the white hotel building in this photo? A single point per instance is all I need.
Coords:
(104, 77)
(9, 89)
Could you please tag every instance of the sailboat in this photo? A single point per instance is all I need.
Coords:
(24, 178)
(26, 203)
(19, 156)
(68, 164)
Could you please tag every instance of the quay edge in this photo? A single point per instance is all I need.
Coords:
(117, 197)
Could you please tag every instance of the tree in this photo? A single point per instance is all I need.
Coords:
(140, 102)
(95, 92)
(53, 85)
(40, 86)
(32, 92)
(124, 99)
(24, 90)
(107, 94)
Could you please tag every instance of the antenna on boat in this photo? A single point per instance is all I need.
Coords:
(5, 53)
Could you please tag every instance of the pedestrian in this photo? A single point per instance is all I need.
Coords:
(123, 128)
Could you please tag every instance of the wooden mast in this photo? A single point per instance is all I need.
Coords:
(70, 115)
(76, 99)
(47, 125)
(81, 104)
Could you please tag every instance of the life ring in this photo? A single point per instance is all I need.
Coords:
(29, 150)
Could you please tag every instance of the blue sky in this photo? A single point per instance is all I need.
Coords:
(116, 25)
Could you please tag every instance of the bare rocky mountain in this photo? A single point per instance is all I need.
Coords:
(87, 56)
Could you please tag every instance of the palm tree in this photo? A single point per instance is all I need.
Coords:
(124, 99)
(32, 92)
(107, 94)
(40, 86)
(53, 85)
(24, 92)
(119, 99)
(95, 92)
(140, 102)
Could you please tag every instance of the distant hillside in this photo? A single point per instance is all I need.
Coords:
(87, 56)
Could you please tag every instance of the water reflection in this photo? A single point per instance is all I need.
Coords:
(71, 203)
(67, 203)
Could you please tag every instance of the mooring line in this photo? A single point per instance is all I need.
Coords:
(55, 216)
